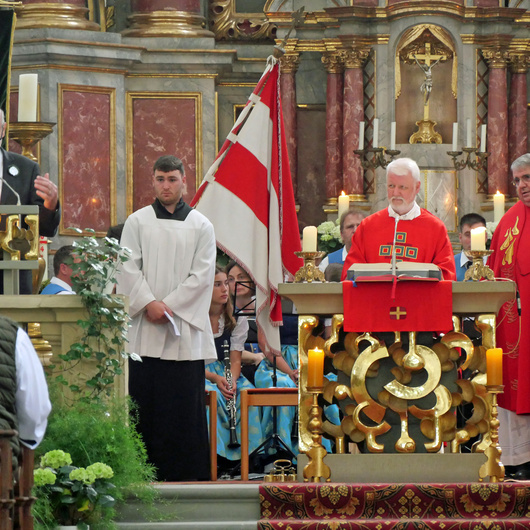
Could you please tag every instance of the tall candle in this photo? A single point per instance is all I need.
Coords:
(494, 366)
(498, 206)
(393, 136)
(315, 368)
(343, 204)
(309, 239)
(478, 238)
(483, 130)
(27, 97)
(468, 132)
(375, 142)
(361, 135)
(455, 137)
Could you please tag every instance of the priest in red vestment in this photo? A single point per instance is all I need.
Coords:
(511, 259)
(418, 235)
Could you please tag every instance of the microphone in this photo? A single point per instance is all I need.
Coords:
(4, 181)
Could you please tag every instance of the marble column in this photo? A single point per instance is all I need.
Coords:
(166, 18)
(353, 114)
(288, 67)
(334, 65)
(517, 113)
(497, 120)
(54, 14)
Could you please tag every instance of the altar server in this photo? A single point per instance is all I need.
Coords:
(169, 281)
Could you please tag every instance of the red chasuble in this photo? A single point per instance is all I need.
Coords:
(511, 259)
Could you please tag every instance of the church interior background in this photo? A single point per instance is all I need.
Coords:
(126, 81)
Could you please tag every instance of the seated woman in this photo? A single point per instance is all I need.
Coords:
(226, 327)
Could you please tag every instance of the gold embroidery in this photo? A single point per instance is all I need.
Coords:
(509, 243)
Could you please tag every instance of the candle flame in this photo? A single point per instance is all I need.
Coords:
(342, 193)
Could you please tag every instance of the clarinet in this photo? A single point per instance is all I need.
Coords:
(230, 403)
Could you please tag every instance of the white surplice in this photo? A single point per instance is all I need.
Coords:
(172, 261)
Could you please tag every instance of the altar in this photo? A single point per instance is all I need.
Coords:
(403, 412)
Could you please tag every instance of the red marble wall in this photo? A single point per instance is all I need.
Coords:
(87, 163)
(163, 125)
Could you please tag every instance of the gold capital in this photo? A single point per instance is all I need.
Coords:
(356, 57)
(519, 62)
(289, 63)
(333, 62)
(496, 57)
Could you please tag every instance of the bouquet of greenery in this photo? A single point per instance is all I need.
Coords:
(329, 238)
(73, 493)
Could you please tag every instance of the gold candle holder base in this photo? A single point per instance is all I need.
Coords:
(315, 469)
(309, 272)
(28, 134)
(478, 270)
(493, 467)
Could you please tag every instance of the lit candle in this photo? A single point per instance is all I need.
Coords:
(315, 368)
(309, 239)
(393, 136)
(494, 366)
(468, 132)
(498, 206)
(455, 137)
(478, 238)
(344, 204)
(376, 133)
(361, 135)
(27, 97)
(483, 138)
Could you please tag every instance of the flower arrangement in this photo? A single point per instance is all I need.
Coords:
(490, 228)
(73, 493)
(329, 238)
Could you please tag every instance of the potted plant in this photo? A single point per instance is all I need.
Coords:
(73, 494)
(329, 238)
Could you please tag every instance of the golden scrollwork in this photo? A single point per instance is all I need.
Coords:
(227, 24)
(16, 239)
(496, 57)
(519, 62)
(333, 62)
(355, 57)
(289, 63)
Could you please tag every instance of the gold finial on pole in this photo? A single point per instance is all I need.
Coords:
(298, 18)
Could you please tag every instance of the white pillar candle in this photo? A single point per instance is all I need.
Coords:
(361, 135)
(483, 138)
(309, 239)
(478, 238)
(27, 97)
(498, 206)
(375, 142)
(343, 204)
(393, 136)
(455, 137)
(468, 132)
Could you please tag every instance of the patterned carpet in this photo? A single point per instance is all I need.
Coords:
(477, 506)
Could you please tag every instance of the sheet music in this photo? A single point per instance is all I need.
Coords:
(173, 324)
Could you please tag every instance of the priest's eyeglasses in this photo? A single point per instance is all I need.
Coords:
(524, 178)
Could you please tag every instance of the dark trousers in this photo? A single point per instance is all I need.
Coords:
(170, 398)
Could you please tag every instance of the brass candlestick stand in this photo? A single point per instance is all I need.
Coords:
(493, 466)
(479, 163)
(309, 272)
(315, 469)
(478, 270)
(28, 134)
(378, 159)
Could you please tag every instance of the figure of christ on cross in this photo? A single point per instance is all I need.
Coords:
(427, 67)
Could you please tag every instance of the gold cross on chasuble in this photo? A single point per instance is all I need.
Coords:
(397, 312)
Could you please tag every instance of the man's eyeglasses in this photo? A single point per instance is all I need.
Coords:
(524, 178)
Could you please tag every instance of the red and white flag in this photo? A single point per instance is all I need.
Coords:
(247, 194)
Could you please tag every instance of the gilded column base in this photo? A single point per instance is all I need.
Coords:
(167, 24)
(62, 16)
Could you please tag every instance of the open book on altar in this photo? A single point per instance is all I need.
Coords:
(405, 270)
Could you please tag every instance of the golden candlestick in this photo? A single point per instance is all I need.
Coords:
(493, 466)
(28, 134)
(309, 272)
(478, 163)
(478, 270)
(315, 469)
(378, 157)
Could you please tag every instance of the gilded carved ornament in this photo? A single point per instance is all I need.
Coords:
(333, 62)
(519, 62)
(289, 63)
(355, 58)
(414, 40)
(496, 57)
(227, 24)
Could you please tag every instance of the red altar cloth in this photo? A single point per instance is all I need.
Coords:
(416, 306)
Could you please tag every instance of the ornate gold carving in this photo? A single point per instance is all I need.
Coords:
(496, 57)
(333, 62)
(63, 16)
(166, 24)
(41, 345)
(356, 57)
(426, 133)
(227, 24)
(289, 63)
(519, 62)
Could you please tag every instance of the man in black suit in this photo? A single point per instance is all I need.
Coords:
(21, 176)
